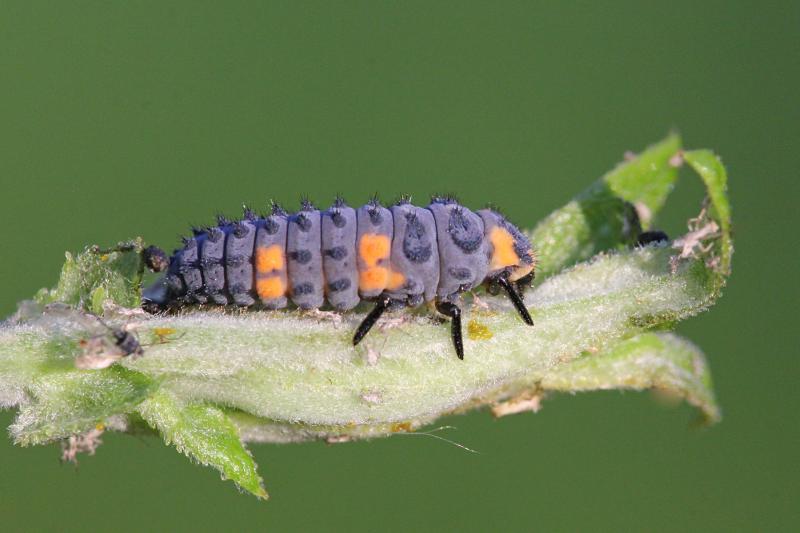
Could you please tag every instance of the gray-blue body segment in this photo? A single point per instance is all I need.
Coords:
(239, 262)
(212, 261)
(441, 251)
(190, 271)
(304, 259)
(414, 254)
(373, 219)
(339, 230)
(463, 250)
(271, 231)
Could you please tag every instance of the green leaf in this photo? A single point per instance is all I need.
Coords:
(711, 170)
(660, 361)
(649, 177)
(205, 434)
(611, 212)
(62, 403)
(96, 275)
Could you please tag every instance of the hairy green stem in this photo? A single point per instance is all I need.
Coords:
(213, 379)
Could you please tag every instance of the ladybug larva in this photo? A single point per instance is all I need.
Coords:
(397, 256)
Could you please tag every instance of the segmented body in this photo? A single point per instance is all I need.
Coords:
(404, 253)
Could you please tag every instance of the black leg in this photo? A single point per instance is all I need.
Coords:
(516, 299)
(524, 283)
(454, 312)
(371, 318)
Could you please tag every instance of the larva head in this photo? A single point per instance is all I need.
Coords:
(155, 259)
(511, 254)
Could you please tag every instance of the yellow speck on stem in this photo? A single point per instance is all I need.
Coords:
(404, 427)
(162, 335)
(478, 331)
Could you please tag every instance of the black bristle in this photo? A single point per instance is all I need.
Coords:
(444, 199)
(306, 204)
(248, 214)
(494, 208)
(374, 202)
(240, 229)
(338, 202)
(222, 220)
(276, 209)
(215, 234)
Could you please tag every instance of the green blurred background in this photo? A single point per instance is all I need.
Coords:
(122, 119)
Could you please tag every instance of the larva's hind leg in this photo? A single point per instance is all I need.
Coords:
(454, 312)
(380, 307)
(516, 299)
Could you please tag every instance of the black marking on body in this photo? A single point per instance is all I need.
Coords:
(417, 246)
(215, 234)
(271, 226)
(460, 273)
(236, 260)
(238, 288)
(338, 220)
(302, 221)
(464, 232)
(375, 216)
(339, 285)
(240, 230)
(303, 288)
(301, 256)
(337, 253)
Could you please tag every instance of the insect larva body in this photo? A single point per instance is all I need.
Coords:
(401, 255)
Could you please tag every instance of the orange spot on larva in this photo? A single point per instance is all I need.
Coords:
(269, 288)
(503, 254)
(269, 258)
(373, 279)
(520, 272)
(373, 248)
(396, 280)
